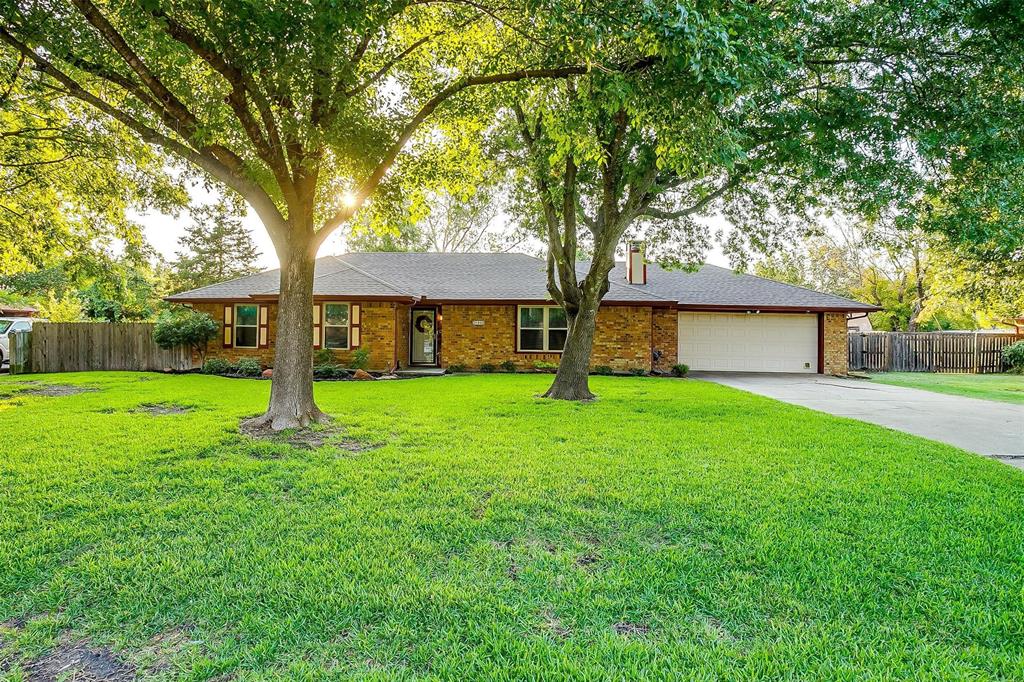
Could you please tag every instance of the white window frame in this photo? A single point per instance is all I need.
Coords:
(347, 325)
(546, 328)
(235, 326)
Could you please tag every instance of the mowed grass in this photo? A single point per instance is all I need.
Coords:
(1008, 388)
(674, 529)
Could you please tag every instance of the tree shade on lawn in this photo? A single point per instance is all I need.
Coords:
(672, 528)
(303, 109)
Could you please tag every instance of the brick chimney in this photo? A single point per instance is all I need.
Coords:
(636, 268)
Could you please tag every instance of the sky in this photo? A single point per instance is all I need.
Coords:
(163, 231)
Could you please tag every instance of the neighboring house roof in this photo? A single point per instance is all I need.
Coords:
(512, 277)
(11, 310)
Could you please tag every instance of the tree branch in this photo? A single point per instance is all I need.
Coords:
(187, 121)
(375, 177)
(206, 158)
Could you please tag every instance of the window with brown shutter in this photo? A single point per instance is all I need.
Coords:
(229, 331)
(317, 326)
(355, 322)
(264, 326)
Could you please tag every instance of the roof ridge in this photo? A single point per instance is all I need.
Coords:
(315, 276)
(793, 286)
(629, 287)
(389, 285)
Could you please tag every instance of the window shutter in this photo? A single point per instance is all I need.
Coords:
(229, 328)
(356, 328)
(317, 327)
(264, 323)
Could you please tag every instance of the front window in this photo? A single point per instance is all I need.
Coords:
(542, 329)
(246, 326)
(4, 326)
(336, 325)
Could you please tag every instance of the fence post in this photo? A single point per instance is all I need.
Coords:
(21, 352)
(976, 353)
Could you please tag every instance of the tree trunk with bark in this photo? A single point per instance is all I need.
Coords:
(572, 381)
(291, 390)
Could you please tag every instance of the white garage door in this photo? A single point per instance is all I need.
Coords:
(756, 342)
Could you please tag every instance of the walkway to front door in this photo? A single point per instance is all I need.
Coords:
(423, 337)
(983, 426)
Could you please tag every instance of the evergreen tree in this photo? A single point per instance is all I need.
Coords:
(215, 248)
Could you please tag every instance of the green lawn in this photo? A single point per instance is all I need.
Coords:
(673, 529)
(1008, 388)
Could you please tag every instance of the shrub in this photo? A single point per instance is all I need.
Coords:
(185, 327)
(680, 370)
(1013, 357)
(603, 370)
(361, 358)
(322, 357)
(487, 367)
(216, 366)
(330, 371)
(637, 371)
(248, 367)
(546, 366)
(456, 368)
(509, 366)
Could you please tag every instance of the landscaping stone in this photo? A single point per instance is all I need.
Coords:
(362, 375)
(268, 373)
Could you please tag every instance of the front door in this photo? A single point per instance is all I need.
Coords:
(423, 337)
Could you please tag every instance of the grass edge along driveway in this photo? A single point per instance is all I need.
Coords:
(460, 528)
(1007, 388)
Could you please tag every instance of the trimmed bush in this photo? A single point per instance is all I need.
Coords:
(1013, 357)
(216, 366)
(248, 367)
(185, 327)
(638, 371)
(456, 368)
(361, 358)
(604, 370)
(546, 366)
(509, 366)
(322, 357)
(680, 370)
(487, 367)
(330, 372)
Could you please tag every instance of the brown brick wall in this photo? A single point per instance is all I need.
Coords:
(622, 340)
(378, 336)
(836, 353)
(666, 337)
(404, 315)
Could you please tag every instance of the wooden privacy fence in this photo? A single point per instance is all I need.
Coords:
(86, 346)
(955, 352)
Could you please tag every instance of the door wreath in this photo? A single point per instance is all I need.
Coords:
(424, 325)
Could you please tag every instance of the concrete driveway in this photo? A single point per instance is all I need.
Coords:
(987, 427)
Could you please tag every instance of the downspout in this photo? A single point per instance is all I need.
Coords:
(394, 348)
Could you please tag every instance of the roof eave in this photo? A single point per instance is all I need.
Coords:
(712, 307)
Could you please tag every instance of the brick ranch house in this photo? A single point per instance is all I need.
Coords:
(472, 309)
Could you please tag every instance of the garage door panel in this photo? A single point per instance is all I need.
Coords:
(730, 342)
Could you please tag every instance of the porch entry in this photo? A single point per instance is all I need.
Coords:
(423, 337)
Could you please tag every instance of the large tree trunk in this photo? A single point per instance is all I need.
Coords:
(572, 382)
(291, 393)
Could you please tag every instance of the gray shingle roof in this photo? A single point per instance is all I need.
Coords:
(517, 277)
(715, 286)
